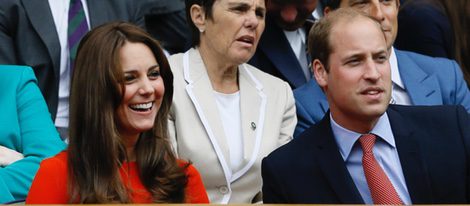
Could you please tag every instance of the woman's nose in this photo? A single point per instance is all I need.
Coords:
(145, 87)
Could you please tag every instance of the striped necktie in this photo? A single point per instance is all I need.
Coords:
(77, 28)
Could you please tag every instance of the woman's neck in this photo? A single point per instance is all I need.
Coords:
(222, 73)
(130, 141)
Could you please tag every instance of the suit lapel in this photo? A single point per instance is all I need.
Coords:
(413, 165)
(332, 164)
(200, 91)
(276, 47)
(41, 18)
(422, 88)
(253, 108)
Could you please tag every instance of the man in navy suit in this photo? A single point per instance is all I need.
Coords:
(416, 79)
(420, 154)
(282, 49)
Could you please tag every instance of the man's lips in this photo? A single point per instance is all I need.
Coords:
(372, 91)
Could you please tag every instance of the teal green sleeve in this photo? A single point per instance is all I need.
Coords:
(25, 126)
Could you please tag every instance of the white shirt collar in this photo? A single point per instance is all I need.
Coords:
(394, 70)
(345, 138)
(293, 35)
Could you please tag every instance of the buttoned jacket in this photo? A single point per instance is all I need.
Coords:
(267, 120)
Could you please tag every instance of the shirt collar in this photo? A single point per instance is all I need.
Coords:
(299, 33)
(396, 79)
(345, 138)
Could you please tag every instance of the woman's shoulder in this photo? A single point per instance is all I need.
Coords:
(178, 58)
(16, 70)
(176, 64)
(50, 183)
(59, 161)
(17, 74)
(267, 80)
(195, 190)
(189, 169)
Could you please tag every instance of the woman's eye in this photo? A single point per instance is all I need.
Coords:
(154, 74)
(260, 14)
(129, 78)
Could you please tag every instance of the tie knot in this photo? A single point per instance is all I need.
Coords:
(367, 142)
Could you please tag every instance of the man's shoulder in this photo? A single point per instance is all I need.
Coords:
(299, 147)
(291, 150)
(426, 63)
(265, 78)
(422, 108)
(431, 114)
(309, 91)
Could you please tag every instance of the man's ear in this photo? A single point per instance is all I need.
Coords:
(320, 73)
(198, 16)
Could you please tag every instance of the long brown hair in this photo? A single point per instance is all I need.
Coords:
(458, 13)
(96, 151)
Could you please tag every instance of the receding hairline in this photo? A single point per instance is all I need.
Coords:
(342, 20)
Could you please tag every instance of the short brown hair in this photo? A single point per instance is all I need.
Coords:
(206, 5)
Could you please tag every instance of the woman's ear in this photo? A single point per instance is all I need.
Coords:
(320, 73)
(198, 16)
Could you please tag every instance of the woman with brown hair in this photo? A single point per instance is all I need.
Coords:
(438, 28)
(121, 92)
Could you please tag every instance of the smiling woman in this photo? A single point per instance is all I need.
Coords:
(122, 89)
(143, 91)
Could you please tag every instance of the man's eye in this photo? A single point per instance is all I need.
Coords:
(353, 62)
(382, 58)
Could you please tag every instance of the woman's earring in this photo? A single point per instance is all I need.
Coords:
(201, 30)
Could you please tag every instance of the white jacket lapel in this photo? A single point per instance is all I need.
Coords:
(200, 91)
(253, 109)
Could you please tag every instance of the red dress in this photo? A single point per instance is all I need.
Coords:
(50, 184)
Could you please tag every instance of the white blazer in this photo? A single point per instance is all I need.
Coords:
(267, 118)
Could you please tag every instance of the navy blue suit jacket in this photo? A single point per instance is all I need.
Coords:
(429, 81)
(274, 56)
(433, 144)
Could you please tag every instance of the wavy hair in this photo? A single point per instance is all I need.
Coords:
(96, 150)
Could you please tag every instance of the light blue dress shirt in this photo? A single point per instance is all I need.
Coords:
(384, 150)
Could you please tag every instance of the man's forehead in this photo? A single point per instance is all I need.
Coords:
(343, 27)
